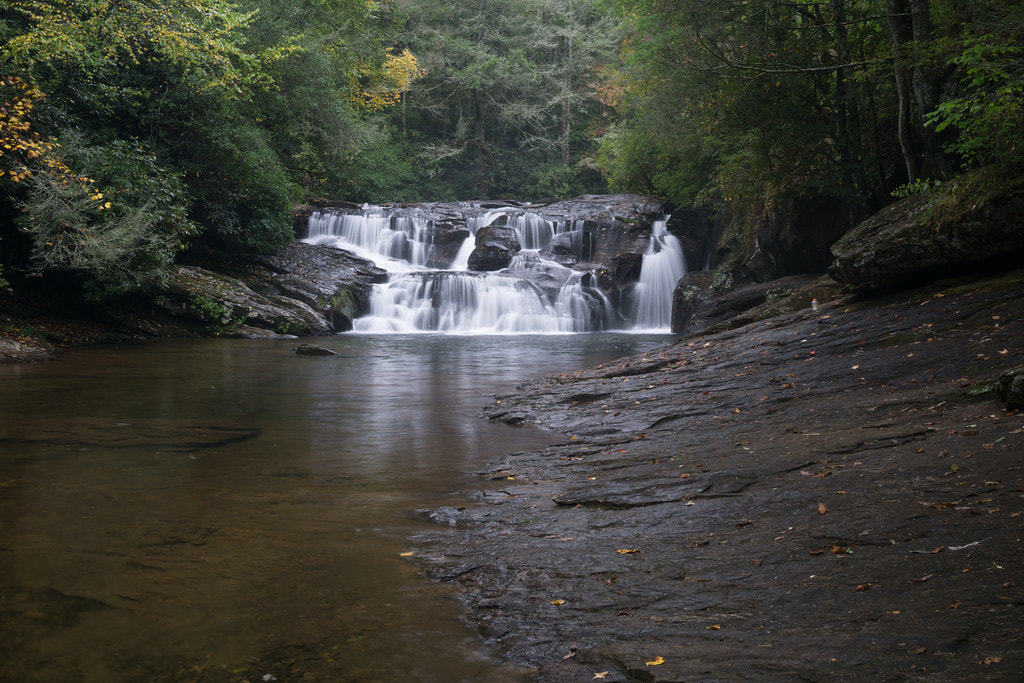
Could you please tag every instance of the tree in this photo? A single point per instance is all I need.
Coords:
(506, 85)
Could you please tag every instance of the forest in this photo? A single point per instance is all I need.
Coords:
(137, 131)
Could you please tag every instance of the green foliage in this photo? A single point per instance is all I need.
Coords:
(507, 94)
(988, 115)
(208, 308)
(919, 186)
(74, 232)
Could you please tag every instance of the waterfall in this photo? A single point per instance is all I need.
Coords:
(532, 295)
(663, 265)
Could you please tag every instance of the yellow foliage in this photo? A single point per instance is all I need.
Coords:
(21, 145)
(377, 87)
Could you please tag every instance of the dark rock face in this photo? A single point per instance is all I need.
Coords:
(495, 247)
(691, 294)
(306, 290)
(701, 303)
(821, 495)
(1010, 388)
(901, 240)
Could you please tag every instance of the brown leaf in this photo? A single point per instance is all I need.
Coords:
(926, 577)
(864, 587)
(991, 660)
(822, 509)
(817, 551)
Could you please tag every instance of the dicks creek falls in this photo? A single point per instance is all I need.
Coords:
(227, 510)
(560, 441)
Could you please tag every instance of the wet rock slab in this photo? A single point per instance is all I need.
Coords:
(822, 495)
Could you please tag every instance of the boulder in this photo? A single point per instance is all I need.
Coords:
(913, 237)
(699, 307)
(1010, 388)
(305, 290)
(495, 247)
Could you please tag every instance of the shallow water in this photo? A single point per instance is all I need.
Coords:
(226, 510)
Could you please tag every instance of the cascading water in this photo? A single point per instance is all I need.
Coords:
(431, 289)
(663, 265)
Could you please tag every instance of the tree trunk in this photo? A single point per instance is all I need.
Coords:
(899, 33)
(848, 119)
(566, 93)
(480, 185)
(925, 82)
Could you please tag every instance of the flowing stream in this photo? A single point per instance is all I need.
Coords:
(226, 510)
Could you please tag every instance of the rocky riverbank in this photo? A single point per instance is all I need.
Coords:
(818, 495)
(306, 290)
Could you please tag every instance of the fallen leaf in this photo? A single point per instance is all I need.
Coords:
(714, 627)
(627, 551)
(991, 660)
(953, 604)
(817, 551)
(656, 661)
(864, 587)
(557, 602)
(926, 577)
(822, 509)
(685, 475)
(839, 550)
(602, 674)
(408, 554)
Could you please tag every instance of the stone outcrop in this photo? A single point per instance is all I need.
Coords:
(702, 302)
(495, 247)
(823, 495)
(1010, 388)
(306, 290)
(912, 237)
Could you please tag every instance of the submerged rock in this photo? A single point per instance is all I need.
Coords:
(314, 350)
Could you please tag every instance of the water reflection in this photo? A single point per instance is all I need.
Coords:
(227, 510)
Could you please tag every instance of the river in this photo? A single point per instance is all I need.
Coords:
(227, 510)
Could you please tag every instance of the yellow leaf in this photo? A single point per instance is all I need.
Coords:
(557, 602)
(714, 627)
(627, 551)
(656, 661)
(408, 554)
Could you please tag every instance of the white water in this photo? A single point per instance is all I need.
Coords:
(662, 267)
(533, 295)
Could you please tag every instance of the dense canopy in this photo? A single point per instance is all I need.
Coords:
(135, 131)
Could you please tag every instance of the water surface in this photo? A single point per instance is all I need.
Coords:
(226, 510)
